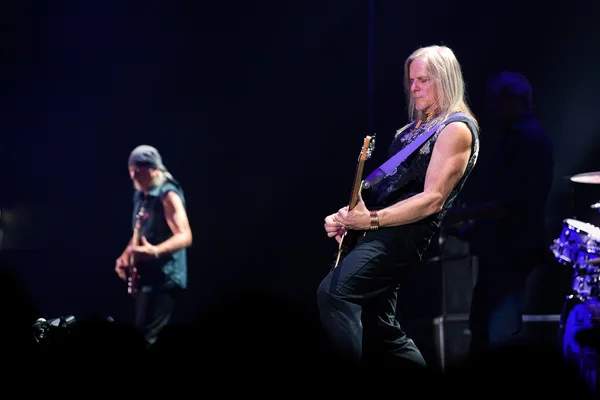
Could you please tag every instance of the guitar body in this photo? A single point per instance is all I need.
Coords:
(133, 279)
(350, 237)
(347, 243)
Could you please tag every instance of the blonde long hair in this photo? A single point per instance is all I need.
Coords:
(445, 71)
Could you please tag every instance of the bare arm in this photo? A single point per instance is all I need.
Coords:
(177, 220)
(448, 163)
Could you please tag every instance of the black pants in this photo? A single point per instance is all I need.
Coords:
(153, 310)
(357, 300)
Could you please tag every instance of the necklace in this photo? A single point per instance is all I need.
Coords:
(420, 121)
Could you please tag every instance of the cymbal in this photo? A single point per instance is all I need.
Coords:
(587, 177)
(594, 261)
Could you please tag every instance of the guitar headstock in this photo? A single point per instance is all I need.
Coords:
(142, 214)
(371, 147)
(367, 148)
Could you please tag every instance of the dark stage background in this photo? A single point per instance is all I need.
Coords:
(259, 109)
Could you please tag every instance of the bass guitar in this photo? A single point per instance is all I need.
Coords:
(349, 238)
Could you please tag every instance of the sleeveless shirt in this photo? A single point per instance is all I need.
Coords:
(169, 270)
(409, 178)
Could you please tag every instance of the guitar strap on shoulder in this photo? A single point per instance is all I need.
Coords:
(390, 165)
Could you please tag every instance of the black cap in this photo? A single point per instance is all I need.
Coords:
(146, 156)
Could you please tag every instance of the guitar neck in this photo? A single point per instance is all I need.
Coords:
(138, 226)
(368, 145)
(357, 185)
(135, 239)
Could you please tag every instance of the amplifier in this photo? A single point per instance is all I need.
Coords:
(442, 285)
(444, 341)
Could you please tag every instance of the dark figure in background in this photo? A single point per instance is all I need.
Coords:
(507, 212)
(401, 214)
(165, 235)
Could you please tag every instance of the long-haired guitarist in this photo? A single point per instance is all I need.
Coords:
(155, 260)
(396, 218)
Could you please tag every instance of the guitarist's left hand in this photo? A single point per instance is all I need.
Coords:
(358, 218)
(144, 252)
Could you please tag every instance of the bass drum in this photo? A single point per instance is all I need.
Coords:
(579, 315)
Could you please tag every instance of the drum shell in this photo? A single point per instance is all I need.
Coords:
(578, 242)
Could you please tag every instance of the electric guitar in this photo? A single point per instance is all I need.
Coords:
(349, 238)
(134, 276)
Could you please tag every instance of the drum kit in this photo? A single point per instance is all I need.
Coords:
(578, 247)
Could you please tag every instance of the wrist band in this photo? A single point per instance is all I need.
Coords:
(374, 220)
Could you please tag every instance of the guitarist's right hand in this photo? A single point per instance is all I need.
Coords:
(121, 266)
(334, 228)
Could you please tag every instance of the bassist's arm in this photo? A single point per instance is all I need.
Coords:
(177, 220)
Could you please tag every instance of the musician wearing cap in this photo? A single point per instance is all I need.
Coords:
(399, 212)
(164, 235)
